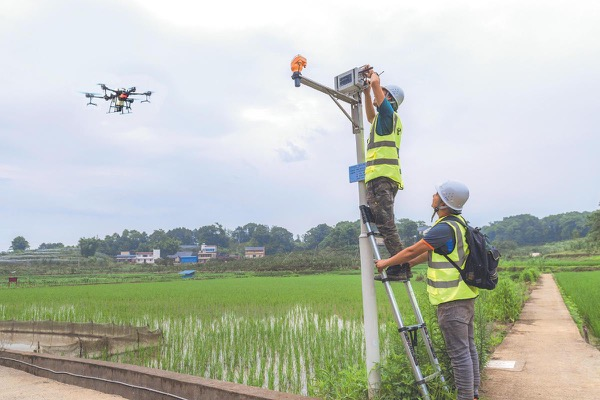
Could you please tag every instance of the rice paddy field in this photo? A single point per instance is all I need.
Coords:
(280, 333)
(581, 288)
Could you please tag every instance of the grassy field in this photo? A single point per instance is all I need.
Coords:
(581, 290)
(297, 334)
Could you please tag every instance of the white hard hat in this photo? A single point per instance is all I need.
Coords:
(396, 92)
(454, 194)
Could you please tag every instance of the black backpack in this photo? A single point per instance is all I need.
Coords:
(482, 262)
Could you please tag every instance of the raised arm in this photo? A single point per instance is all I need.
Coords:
(376, 87)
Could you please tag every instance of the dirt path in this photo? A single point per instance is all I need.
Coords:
(543, 356)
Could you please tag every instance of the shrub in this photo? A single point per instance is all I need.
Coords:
(529, 275)
(506, 301)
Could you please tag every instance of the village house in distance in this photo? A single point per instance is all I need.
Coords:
(206, 253)
(254, 252)
(138, 257)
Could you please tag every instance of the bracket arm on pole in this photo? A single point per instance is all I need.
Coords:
(331, 92)
(354, 124)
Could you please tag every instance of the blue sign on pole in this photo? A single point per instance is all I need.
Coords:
(357, 172)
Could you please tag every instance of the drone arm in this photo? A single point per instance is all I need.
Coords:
(105, 88)
(147, 94)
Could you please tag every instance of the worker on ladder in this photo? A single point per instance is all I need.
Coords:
(455, 300)
(383, 176)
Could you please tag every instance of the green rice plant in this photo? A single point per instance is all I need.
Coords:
(581, 289)
(300, 334)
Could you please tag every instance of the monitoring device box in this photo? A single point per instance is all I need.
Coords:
(351, 82)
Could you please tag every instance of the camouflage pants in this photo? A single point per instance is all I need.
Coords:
(381, 193)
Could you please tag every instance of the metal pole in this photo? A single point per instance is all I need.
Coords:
(371, 323)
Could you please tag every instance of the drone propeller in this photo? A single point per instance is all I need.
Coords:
(147, 94)
(91, 96)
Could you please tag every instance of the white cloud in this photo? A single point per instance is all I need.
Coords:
(499, 94)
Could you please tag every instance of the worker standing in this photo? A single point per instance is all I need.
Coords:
(383, 176)
(455, 300)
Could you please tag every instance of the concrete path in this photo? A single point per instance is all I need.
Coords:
(19, 385)
(543, 356)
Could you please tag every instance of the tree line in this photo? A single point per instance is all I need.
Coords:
(526, 229)
(519, 230)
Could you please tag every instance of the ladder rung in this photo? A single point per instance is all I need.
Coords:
(411, 328)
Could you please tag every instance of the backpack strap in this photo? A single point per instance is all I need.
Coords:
(460, 271)
(456, 219)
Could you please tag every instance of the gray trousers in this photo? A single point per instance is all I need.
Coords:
(456, 323)
(381, 193)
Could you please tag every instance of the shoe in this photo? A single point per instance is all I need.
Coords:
(397, 273)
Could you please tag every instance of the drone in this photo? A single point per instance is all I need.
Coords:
(120, 99)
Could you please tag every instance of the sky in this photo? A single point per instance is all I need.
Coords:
(500, 95)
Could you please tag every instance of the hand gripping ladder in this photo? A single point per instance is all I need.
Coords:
(407, 333)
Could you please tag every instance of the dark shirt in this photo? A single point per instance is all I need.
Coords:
(385, 121)
(441, 238)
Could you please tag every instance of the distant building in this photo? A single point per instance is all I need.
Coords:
(183, 257)
(180, 254)
(186, 260)
(254, 252)
(208, 248)
(138, 257)
(147, 257)
(126, 256)
(207, 252)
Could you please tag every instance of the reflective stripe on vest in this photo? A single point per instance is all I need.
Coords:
(383, 158)
(444, 282)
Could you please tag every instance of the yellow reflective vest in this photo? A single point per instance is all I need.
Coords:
(444, 282)
(383, 157)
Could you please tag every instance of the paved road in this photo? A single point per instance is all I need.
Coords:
(19, 385)
(544, 356)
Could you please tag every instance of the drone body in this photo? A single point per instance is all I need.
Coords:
(120, 99)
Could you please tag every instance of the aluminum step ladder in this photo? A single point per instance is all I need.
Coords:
(408, 333)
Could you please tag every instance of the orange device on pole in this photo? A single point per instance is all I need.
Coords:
(298, 63)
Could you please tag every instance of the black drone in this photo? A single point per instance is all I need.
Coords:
(120, 99)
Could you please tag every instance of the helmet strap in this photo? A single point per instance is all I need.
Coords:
(436, 209)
